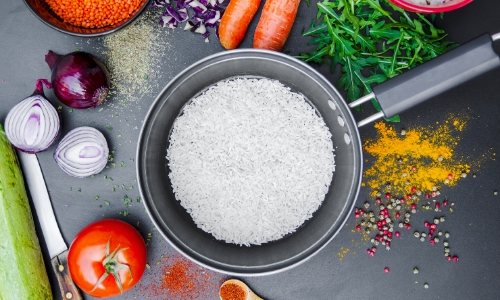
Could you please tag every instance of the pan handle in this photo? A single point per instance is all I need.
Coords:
(434, 77)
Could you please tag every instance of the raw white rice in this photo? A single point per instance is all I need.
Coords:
(250, 160)
(427, 2)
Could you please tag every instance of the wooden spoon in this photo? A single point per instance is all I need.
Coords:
(249, 294)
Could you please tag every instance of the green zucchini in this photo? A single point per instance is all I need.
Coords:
(22, 270)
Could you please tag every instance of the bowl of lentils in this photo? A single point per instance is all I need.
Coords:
(430, 6)
(89, 18)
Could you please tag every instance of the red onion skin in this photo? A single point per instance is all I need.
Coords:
(79, 79)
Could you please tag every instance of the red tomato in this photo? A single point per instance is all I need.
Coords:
(103, 248)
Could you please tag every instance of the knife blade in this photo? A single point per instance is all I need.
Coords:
(58, 250)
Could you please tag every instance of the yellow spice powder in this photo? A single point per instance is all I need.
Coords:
(420, 159)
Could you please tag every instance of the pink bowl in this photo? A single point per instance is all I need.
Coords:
(430, 9)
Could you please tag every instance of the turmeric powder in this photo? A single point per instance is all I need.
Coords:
(420, 160)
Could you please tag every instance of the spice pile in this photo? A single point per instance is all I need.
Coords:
(232, 291)
(181, 278)
(134, 56)
(408, 171)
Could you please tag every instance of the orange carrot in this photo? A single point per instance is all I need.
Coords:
(235, 20)
(275, 24)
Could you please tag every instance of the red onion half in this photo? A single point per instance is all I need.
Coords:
(82, 152)
(33, 124)
(79, 79)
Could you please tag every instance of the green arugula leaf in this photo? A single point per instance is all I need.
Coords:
(372, 40)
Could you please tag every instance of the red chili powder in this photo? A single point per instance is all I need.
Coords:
(232, 291)
(180, 278)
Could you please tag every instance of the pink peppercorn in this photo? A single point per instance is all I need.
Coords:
(413, 189)
(438, 205)
(449, 258)
(432, 242)
(427, 224)
(445, 202)
(450, 176)
(358, 227)
(387, 270)
(413, 206)
(397, 234)
(388, 196)
(455, 258)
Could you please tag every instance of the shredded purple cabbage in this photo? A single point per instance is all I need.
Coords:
(198, 14)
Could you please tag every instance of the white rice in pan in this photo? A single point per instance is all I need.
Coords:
(250, 160)
(427, 2)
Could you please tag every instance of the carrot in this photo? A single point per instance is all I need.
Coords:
(275, 24)
(235, 20)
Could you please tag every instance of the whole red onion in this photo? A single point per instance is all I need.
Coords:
(79, 79)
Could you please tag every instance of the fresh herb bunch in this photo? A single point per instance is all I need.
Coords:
(372, 40)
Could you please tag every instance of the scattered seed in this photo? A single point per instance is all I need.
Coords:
(415, 270)
(426, 285)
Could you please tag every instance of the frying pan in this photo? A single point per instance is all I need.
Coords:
(395, 95)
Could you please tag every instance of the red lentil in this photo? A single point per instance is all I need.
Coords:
(93, 13)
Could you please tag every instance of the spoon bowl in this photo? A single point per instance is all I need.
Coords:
(248, 293)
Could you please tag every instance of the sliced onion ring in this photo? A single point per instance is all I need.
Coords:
(82, 152)
(33, 124)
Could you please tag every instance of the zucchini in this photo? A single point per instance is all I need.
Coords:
(22, 269)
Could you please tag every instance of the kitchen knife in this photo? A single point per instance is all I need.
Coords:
(58, 250)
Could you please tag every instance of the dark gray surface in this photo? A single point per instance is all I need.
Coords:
(24, 41)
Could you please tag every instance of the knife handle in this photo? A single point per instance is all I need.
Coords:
(68, 288)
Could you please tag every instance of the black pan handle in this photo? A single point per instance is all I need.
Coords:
(434, 77)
